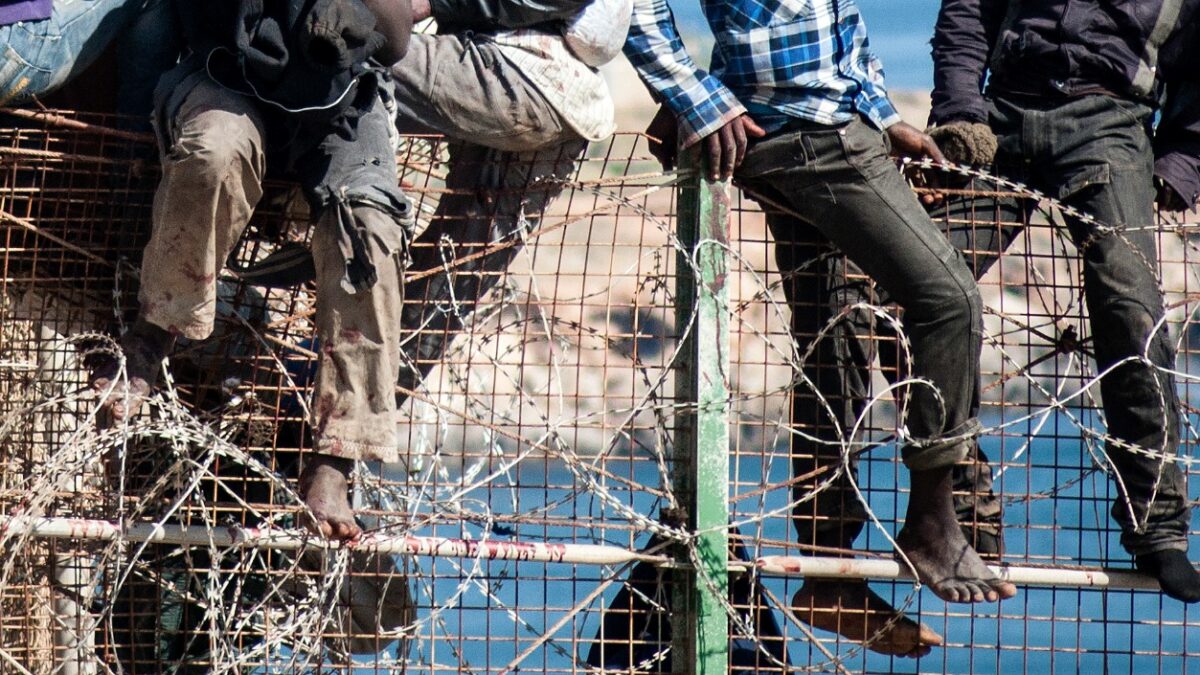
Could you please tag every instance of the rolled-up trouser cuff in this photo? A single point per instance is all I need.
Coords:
(1144, 545)
(335, 446)
(946, 450)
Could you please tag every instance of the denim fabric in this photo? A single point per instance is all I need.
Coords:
(845, 191)
(41, 56)
(1095, 154)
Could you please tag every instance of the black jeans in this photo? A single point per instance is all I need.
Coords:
(846, 192)
(1094, 154)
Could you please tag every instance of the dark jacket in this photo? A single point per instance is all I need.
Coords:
(295, 54)
(1146, 50)
(490, 15)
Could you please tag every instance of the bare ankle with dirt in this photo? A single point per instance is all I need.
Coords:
(934, 543)
(325, 489)
(144, 345)
(851, 609)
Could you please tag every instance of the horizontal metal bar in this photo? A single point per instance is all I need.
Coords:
(849, 568)
(493, 549)
(292, 540)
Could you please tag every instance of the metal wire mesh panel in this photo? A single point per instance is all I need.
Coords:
(531, 524)
(1045, 440)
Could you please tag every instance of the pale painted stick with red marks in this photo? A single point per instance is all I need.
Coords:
(291, 540)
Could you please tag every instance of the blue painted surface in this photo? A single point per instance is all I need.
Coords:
(1040, 630)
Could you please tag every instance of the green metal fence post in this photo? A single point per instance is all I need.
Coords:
(701, 630)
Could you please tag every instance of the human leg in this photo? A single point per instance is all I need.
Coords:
(981, 228)
(842, 182)
(1102, 160)
(466, 90)
(359, 251)
(494, 195)
(212, 179)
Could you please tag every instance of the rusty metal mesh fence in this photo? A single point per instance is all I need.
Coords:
(524, 531)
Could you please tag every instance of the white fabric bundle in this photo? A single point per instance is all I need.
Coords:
(597, 34)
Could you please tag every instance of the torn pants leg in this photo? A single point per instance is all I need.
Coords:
(211, 182)
(354, 402)
(359, 250)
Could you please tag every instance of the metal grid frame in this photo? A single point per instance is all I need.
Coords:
(615, 285)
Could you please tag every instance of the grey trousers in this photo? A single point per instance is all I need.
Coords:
(847, 193)
(213, 166)
(510, 153)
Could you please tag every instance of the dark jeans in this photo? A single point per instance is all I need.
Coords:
(1094, 154)
(845, 192)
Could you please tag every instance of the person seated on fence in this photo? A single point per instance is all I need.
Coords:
(492, 82)
(310, 102)
(1069, 109)
(801, 126)
(46, 43)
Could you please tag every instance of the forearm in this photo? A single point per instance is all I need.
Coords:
(701, 102)
(1177, 142)
(394, 19)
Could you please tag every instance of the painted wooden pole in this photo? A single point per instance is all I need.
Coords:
(700, 626)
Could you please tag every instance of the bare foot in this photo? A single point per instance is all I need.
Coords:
(325, 488)
(145, 346)
(934, 543)
(854, 611)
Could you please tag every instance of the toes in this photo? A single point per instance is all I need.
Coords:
(948, 592)
(1004, 589)
(345, 531)
(918, 652)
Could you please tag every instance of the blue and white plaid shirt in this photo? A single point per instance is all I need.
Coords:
(799, 58)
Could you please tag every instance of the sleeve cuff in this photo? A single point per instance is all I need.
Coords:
(887, 113)
(703, 109)
(1182, 173)
(963, 112)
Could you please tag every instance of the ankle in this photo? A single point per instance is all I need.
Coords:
(340, 464)
(151, 335)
